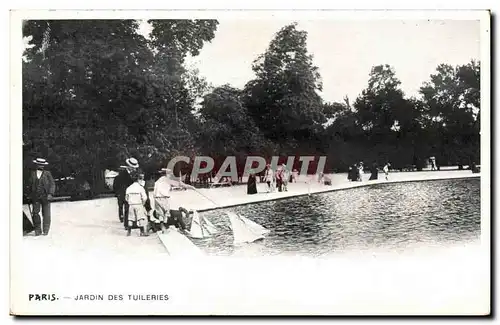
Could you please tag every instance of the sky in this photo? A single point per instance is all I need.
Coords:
(344, 51)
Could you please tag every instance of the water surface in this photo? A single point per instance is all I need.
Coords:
(379, 217)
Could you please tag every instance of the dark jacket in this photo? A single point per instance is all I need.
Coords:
(46, 184)
(121, 182)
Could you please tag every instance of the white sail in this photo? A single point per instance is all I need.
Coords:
(254, 226)
(242, 232)
(201, 227)
(208, 226)
(196, 230)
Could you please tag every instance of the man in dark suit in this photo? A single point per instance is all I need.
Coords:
(42, 189)
(120, 184)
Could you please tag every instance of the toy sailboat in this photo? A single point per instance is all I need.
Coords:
(201, 227)
(245, 230)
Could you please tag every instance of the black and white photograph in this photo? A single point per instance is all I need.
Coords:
(250, 162)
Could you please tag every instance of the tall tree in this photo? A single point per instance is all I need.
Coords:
(452, 105)
(388, 119)
(378, 106)
(228, 128)
(283, 98)
(95, 91)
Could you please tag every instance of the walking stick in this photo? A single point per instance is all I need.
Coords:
(206, 197)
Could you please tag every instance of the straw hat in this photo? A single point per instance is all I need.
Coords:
(132, 162)
(40, 162)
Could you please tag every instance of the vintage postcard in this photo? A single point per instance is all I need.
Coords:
(250, 162)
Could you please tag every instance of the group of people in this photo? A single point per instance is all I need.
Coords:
(356, 171)
(275, 180)
(134, 204)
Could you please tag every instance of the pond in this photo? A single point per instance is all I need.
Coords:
(385, 216)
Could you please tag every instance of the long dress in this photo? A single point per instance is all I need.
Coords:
(374, 174)
(353, 173)
(252, 185)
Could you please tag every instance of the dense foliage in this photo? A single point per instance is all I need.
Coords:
(95, 92)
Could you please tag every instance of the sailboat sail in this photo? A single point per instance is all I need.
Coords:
(208, 226)
(254, 226)
(244, 232)
(196, 230)
(201, 227)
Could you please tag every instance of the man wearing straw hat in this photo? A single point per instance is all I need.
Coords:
(120, 185)
(161, 195)
(42, 188)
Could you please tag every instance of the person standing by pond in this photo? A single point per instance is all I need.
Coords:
(386, 171)
(474, 168)
(120, 185)
(279, 178)
(294, 176)
(374, 172)
(285, 177)
(42, 188)
(351, 173)
(269, 178)
(360, 171)
(432, 161)
(252, 184)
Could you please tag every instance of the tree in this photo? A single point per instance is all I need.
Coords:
(85, 71)
(97, 91)
(283, 98)
(452, 105)
(227, 127)
(342, 136)
(378, 107)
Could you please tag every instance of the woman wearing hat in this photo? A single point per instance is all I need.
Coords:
(42, 188)
(120, 185)
(161, 195)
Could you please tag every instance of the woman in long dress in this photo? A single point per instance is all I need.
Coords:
(361, 171)
(252, 184)
(374, 172)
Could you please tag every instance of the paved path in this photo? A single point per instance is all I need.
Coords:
(87, 250)
(92, 227)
